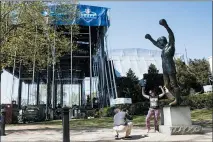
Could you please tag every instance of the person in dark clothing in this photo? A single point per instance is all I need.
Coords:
(122, 123)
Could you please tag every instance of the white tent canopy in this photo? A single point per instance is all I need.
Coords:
(138, 60)
(210, 63)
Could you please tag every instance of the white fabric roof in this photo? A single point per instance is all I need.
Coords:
(210, 63)
(137, 59)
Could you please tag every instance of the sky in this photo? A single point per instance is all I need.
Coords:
(191, 23)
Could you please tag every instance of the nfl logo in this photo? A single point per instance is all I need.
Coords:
(87, 11)
(87, 15)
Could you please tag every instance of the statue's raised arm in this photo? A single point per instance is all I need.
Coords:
(171, 34)
(148, 36)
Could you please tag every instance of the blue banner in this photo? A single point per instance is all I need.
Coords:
(86, 15)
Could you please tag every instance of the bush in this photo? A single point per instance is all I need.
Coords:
(139, 108)
(103, 111)
(198, 101)
(106, 112)
(91, 113)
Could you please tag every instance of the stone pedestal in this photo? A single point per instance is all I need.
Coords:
(177, 121)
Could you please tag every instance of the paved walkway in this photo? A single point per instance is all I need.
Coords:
(39, 133)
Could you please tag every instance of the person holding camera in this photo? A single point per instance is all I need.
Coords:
(122, 123)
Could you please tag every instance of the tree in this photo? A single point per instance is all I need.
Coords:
(130, 74)
(129, 87)
(201, 70)
(35, 39)
(152, 69)
(153, 79)
(27, 36)
(186, 79)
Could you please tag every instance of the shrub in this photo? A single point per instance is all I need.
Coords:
(104, 112)
(139, 108)
(198, 101)
(91, 113)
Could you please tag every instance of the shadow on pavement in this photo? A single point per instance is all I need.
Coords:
(137, 137)
(133, 137)
(49, 129)
(32, 130)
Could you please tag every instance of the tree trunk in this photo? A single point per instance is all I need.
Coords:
(0, 54)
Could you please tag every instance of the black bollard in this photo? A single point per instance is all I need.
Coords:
(66, 125)
(3, 116)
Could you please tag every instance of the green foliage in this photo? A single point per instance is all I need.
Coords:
(186, 79)
(201, 116)
(153, 79)
(139, 108)
(110, 111)
(196, 101)
(129, 87)
(29, 37)
(199, 101)
(201, 69)
(194, 76)
(152, 69)
(103, 112)
(130, 74)
(91, 113)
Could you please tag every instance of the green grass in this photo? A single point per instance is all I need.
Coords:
(199, 116)
(105, 122)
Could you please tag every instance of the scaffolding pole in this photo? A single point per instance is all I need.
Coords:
(20, 86)
(108, 63)
(90, 52)
(113, 75)
(79, 90)
(102, 67)
(28, 93)
(53, 71)
(108, 92)
(34, 56)
(96, 78)
(14, 66)
(97, 82)
(71, 59)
